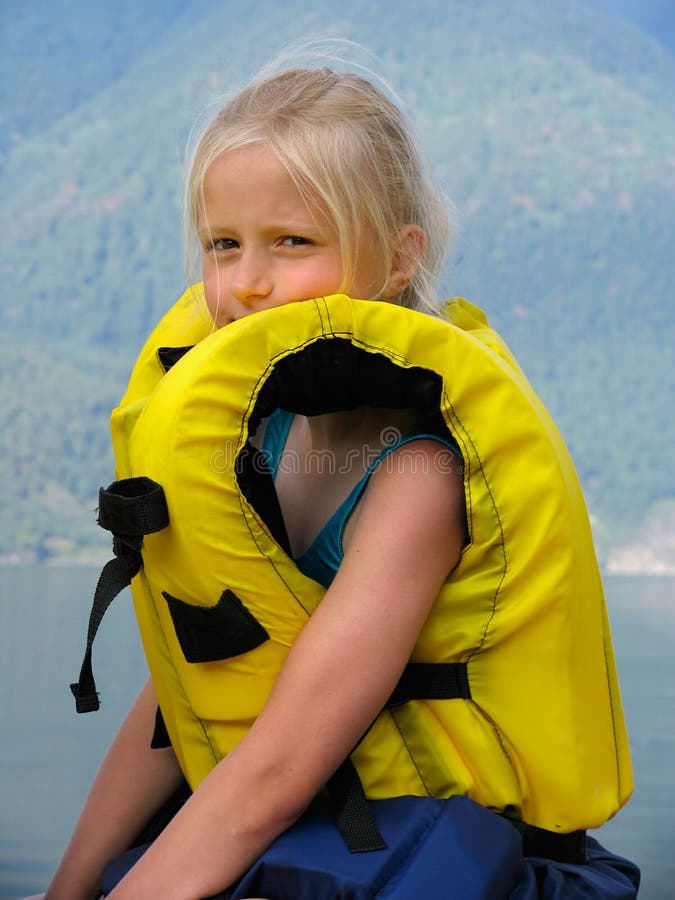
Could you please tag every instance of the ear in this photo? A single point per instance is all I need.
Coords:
(408, 253)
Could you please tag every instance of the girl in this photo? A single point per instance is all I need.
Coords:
(305, 185)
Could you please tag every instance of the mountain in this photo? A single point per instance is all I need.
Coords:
(550, 127)
(57, 55)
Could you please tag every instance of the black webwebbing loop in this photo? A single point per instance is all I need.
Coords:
(431, 681)
(565, 848)
(130, 509)
(353, 814)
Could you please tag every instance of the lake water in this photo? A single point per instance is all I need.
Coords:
(49, 754)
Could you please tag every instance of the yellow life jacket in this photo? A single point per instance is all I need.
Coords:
(534, 725)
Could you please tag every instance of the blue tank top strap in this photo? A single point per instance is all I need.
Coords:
(322, 558)
(274, 438)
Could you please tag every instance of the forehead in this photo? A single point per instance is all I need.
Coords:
(256, 157)
(251, 168)
(254, 178)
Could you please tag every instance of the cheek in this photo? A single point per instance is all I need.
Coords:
(325, 278)
(212, 292)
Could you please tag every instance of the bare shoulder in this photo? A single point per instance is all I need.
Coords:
(424, 463)
(414, 488)
(411, 520)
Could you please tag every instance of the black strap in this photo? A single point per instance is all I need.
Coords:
(431, 681)
(130, 509)
(564, 848)
(353, 815)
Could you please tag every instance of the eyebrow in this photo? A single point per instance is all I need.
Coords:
(281, 227)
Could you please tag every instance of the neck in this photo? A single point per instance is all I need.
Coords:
(331, 430)
(364, 426)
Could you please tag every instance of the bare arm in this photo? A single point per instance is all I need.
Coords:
(132, 783)
(339, 674)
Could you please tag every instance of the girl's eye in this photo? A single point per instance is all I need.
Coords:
(223, 244)
(294, 240)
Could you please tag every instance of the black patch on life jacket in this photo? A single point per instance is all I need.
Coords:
(331, 374)
(213, 633)
(160, 736)
(169, 356)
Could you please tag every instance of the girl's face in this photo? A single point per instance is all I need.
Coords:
(263, 245)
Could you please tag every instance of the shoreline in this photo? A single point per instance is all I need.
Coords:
(622, 560)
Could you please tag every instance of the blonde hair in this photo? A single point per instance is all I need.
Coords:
(349, 150)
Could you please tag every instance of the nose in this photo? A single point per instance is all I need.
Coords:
(251, 278)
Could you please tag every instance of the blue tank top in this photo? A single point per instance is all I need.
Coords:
(322, 558)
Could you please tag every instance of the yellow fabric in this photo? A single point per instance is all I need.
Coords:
(543, 734)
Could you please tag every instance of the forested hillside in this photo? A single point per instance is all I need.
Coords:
(551, 127)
